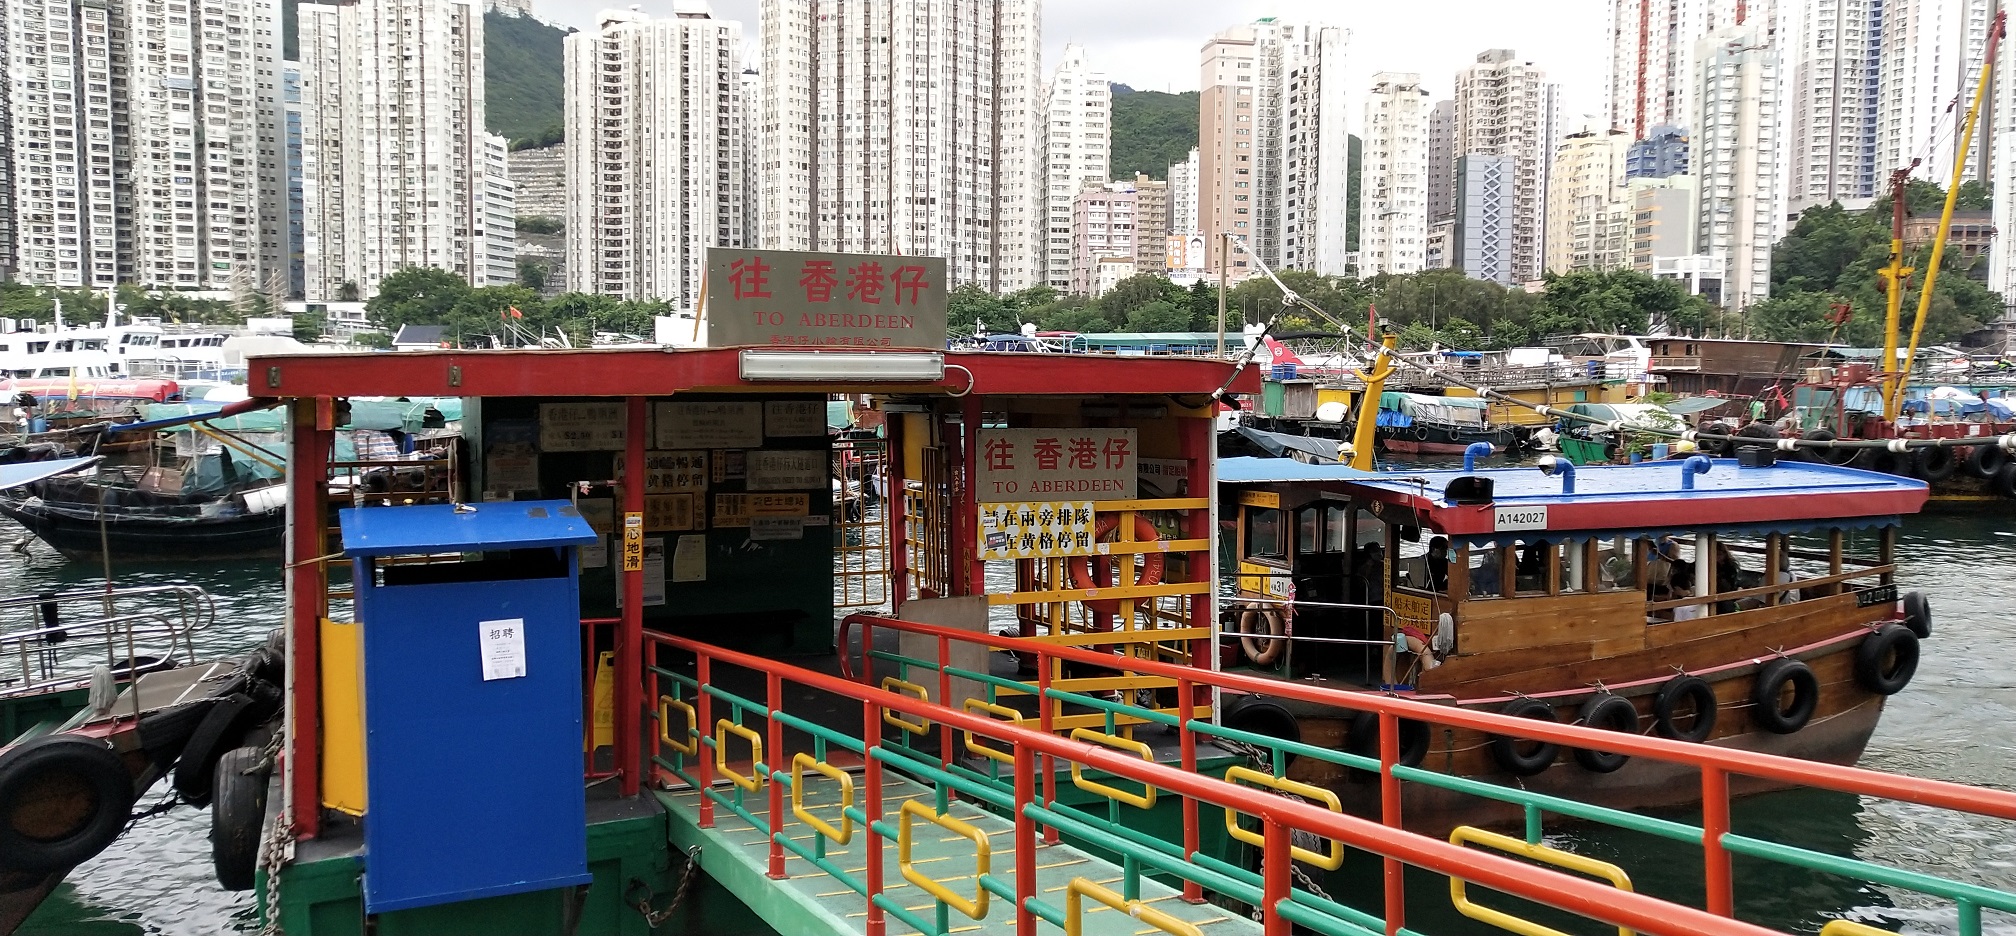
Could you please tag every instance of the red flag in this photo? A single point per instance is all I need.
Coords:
(516, 314)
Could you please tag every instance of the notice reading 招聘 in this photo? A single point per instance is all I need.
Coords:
(503, 648)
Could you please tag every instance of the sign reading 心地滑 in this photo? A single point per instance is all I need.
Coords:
(824, 300)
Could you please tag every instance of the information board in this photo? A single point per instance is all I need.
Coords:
(708, 425)
(1035, 530)
(1075, 464)
(831, 300)
(799, 470)
(582, 427)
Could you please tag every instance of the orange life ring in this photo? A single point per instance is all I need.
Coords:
(1151, 568)
(1249, 639)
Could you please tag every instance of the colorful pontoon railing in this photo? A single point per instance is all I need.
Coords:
(706, 732)
(1716, 766)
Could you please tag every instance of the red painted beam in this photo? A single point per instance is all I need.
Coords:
(651, 372)
(630, 633)
(311, 426)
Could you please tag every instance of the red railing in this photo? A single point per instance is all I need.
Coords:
(1280, 816)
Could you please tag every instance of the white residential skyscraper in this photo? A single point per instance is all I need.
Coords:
(1441, 162)
(392, 141)
(1931, 57)
(654, 152)
(1828, 56)
(1734, 158)
(1589, 209)
(1393, 176)
(1076, 148)
(1651, 57)
(1505, 107)
(1274, 144)
(1183, 195)
(904, 126)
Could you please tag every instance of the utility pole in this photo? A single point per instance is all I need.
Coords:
(1224, 246)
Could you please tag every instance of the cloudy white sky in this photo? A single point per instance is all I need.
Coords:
(1153, 44)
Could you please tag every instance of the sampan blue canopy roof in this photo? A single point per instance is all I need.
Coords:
(448, 528)
(1248, 470)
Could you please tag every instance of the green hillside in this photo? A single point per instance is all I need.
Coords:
(522, 62)
(1151, 129)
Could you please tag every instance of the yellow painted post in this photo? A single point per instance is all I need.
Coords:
(342, 718)
(1368, 405)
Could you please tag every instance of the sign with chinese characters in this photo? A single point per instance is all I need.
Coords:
(633, 542)
(734, 510)
(783, 419)
(1082, 464)
(581, 427)
(1035, 530)
(503, 648)
(787, 470)
(708, 425)
(672, 512)
(824, 300)
(670, 472)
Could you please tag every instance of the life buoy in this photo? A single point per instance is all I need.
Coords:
(1918, 614)
(1986, 461)
(1685, 698)
(1249, 642)
(222, 727)
(1151, 566)
(63, 798)
(1519, 756)
(1610, 712)
(1935, 463)
(1268, 719)
(2004, 482)
(237, 813)
(1771, 710)
(1363, 739)
(1887, 659)
(1831, 456)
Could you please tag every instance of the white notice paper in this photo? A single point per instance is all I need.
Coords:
(503, 648)
(689, 559)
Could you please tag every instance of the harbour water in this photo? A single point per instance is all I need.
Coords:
(1957, 721)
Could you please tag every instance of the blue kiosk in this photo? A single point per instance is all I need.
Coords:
(472, 700)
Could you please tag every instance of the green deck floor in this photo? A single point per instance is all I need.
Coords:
(812, 902)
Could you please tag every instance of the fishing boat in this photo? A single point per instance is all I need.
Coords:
(1738, 603)
(1423, 424)
(1849, 402)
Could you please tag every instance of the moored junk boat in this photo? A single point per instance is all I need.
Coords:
(1848, 403)
(1750, 605)
(1424, 424)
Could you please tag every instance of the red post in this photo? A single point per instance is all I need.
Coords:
(630, 633)
(1025, 840)
(945, 699)
(703, 672)
(1187, 740)
(867, 648)
(871, 808)
(312, 421)
(1389, 814)
(1714, 825)
(966, 546)
(1198, 447)
(894, 503)
(1275, 882)
(1043, 663)
(775, 683)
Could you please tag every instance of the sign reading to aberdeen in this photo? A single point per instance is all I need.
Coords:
(824, 300)
(1055, 465)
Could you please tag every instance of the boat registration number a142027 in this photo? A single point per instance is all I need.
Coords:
(1881, 594)
(1518, 518)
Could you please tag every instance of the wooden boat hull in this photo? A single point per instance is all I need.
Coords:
(249, 536)
(1435, 440)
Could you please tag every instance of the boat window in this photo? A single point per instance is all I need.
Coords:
(1616, 565)
(55, 372)
(1309, 530)
(1539, 567)
(1333, 529)
(1263, 533)
(1486, 569)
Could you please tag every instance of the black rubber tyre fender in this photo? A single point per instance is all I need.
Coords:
(1886, 660)
(1986, 461)
(1520, 757)
(1935, 464)
(1610, 712)
(1769, 709)
(1266, 718)
(237, 813)
(1364, 738)
(2004, 482)
(226, 722)
(1762, 433)
(164, 732)
(1690, 690)
(1885, 461)
(1831, 456)
(1717, 447)
(65, 765)
(1918, 614)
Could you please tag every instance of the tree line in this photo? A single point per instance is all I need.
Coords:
(427, 296)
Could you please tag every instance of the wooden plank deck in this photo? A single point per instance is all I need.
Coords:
(810, 901)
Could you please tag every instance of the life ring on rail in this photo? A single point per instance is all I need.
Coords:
(1611, 712)
(63, 798)
(1249, 639)
(1668, 712)
(1151, 566)
(1771, 710)
(1986, 461)
(1887, 659)
(1519, 756)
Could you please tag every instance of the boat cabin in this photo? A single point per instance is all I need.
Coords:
(1450, 581)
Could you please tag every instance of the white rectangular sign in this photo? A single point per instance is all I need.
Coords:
(787, 470)
(582, 427)
(1018, 465)
(503, 644)
(1518, 518)
(709, 425)
(794, 418)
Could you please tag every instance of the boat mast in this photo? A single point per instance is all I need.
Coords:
(1893, 399)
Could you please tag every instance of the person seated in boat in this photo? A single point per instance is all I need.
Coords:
(1680, 584)
(1485, 578)
(1438, 564)
(1531, 574)
(1729, 576)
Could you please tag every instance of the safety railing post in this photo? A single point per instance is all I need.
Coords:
(867, 653)
(703, 674)
(775, 704)
(1025, 841)
(1186, 709)
(1714, 825)
(1043, 712)
(1389, 815)
(945, 698)
(871, 809)
(1275, 881)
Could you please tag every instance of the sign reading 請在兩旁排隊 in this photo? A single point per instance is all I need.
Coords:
(1041, 529)
(824, 300)
(1056, 464)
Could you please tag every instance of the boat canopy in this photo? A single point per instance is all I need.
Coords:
(1245, 470)
(1280, 445)
(1700, 404)
(18, 474)
(1466, 412)
(1642, 415)
(412, 415)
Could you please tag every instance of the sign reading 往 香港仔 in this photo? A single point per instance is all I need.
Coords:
(1056, 465)
(790, 298)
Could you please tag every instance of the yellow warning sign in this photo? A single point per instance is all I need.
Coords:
(633, 542)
